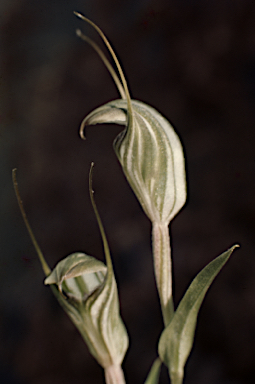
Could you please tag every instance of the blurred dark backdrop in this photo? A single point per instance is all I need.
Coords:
(195, 62)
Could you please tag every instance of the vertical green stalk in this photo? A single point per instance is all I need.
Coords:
(176, 378)
(114, 375)
(163, 268)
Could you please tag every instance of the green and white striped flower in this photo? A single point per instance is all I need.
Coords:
(149, 150)
(87, 291)
(151, 156)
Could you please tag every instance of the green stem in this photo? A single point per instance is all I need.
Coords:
(114, 375)
(176, 378)
(163, 268)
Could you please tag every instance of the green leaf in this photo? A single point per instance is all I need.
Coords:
(153, 375)
(177, 339)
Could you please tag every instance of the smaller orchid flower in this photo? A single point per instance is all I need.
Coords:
(86, 289)
(88, 293)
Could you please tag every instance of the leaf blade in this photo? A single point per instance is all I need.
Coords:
(154, 373)
(177, 339)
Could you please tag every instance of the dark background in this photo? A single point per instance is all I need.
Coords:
(195, 62)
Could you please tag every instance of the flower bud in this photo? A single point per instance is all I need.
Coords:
(88, 293)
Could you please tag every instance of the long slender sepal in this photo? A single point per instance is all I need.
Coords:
(105, 61)
(44, 264)
(108, 45)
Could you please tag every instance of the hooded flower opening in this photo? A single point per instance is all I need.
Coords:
(78, 276)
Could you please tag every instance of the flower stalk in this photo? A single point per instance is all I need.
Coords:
(114, 375)
(163, 269)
